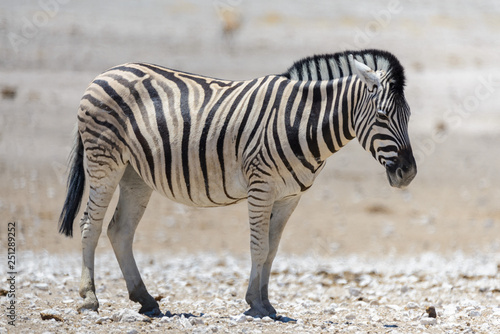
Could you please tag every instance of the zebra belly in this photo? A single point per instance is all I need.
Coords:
(194, 186)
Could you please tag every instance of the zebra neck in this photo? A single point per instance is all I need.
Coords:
(336, 126)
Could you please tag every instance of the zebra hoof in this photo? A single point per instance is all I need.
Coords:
(258, 312)
(89, 304)
(151, 312)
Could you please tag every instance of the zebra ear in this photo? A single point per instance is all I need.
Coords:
(366, 74)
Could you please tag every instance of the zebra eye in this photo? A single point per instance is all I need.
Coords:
(382, 115)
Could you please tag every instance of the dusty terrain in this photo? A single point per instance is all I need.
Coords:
(356, 256)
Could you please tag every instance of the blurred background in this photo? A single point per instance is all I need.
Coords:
(51, 49)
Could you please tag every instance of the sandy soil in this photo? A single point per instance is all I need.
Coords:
(449, 216)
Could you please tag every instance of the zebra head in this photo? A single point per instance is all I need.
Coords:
(382, 124)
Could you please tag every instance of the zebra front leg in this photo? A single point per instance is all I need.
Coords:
(260, 204)
(279, 217)
(134, 197)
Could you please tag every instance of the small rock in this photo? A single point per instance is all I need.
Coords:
(428, 321)
(393, 307)
(196, 321)
(474, 313)
(70, 311)
(350, 316)
(185, 322)
(431, 311)
(411, 306)
(329, 310)
(166, 319)
(267, 319)
(240, 318)
(102, 320)
(133, 331)
(355, 292)
(127, 315)
(90, 315)
(51, 314)
(41, 286)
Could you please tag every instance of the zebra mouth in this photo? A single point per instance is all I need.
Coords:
(402, 170)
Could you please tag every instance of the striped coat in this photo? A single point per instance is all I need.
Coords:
(207, 142)
(204, 153)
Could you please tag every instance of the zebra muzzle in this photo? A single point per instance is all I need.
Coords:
(401, 170)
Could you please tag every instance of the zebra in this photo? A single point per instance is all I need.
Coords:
(207, 142)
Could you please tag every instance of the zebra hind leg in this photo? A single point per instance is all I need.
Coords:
(134, 197)
(100, 194)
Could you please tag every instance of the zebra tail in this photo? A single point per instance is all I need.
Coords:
(75, 188)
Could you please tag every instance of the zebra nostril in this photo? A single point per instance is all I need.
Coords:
(399, 173)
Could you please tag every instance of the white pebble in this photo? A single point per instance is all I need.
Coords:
(185, 322)
(428, 321)
(393, 307)
(267, 319)
(41, 286)
(329, 310)
(196, 321)
(165, 319)
(412, 305)
(128, 315)
(240, 318)
(474, 313)
(350, 316)
(102, 320)
(355, 292)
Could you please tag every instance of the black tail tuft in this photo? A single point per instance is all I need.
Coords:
(76, 186)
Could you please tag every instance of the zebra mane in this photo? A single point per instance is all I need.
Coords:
(337, 65)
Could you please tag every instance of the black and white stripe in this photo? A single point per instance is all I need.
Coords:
(208, 142)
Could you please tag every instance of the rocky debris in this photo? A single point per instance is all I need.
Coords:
(41, 286)
(205, 294)
(431, 312)
(127, 315)
(51, 314)
(355, 292)
(427, 321)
